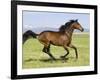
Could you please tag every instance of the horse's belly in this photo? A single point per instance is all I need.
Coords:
(59, 42)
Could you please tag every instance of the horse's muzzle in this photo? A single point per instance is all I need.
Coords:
(81, 29)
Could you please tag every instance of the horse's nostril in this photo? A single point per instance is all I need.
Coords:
(82, 29)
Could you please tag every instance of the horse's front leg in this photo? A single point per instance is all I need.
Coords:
(63, 57)
(72, 46)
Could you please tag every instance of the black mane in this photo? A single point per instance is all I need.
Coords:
(67, 25)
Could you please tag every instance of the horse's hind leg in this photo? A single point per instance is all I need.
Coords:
(46, 49)
(72, 46)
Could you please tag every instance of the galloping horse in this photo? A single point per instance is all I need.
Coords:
(63, 37)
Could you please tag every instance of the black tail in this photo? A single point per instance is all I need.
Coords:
(28, 34)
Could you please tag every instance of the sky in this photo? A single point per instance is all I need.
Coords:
(36, 19)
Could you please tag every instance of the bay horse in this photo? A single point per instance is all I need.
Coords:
(63, 38)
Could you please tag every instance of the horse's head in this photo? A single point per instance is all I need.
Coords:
(77, 25)
(74, 24)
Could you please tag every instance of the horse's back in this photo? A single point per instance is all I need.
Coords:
(45, 35)
(49, 35)
(56, 38)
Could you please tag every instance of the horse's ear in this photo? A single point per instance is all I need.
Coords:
(76, 20)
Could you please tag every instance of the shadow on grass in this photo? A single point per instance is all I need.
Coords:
(49, 60)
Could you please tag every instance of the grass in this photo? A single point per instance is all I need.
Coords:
(33, 57)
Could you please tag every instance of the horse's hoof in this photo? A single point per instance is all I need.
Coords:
(64, 60)
(54, 59)
(62, 57)
(76, 59)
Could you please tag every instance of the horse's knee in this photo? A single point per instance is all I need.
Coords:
(44, 50)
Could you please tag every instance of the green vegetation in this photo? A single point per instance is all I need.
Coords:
(33, 57)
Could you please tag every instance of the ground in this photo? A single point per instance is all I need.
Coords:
(33, 57)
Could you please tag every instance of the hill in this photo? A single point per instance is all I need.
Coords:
(40, 29)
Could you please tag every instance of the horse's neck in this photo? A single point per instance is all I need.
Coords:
(69, 32)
